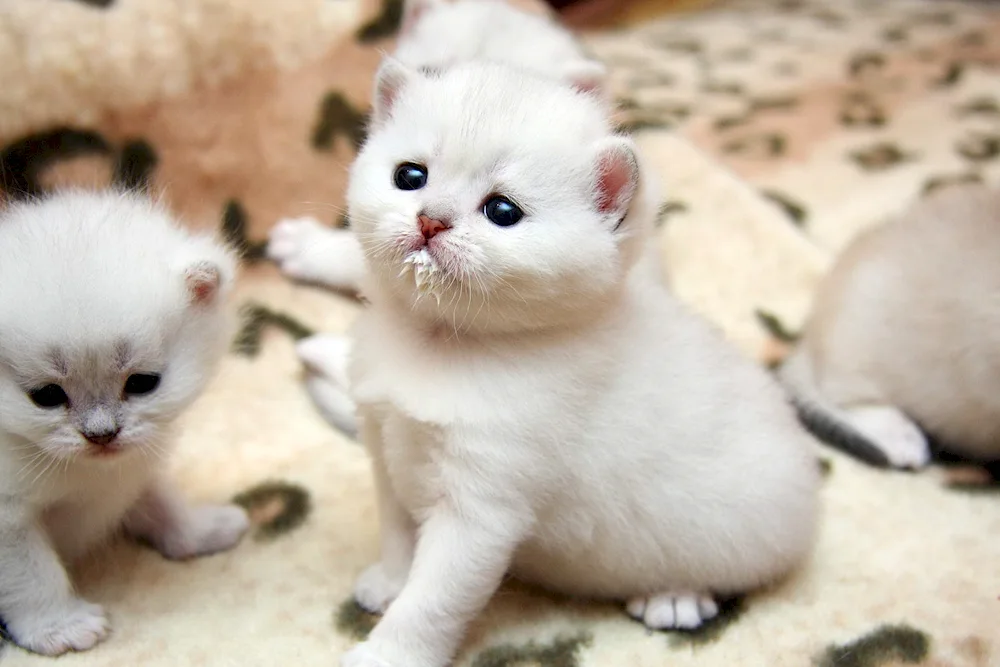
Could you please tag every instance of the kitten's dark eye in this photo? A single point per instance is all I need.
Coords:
(49, 396)
(410, 176)
(141, 383)
(502, 211)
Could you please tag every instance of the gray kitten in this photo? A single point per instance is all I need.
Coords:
(112, 320)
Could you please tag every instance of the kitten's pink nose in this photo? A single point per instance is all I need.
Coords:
(430, 227)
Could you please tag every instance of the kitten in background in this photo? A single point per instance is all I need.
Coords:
(902, 336)
(435, 35)
(112, 320)
(533, 402)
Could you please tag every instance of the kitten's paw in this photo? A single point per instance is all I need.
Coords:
(375, 590)
(209, 529)
(77, 627)
(673, 611)
(364, 655)
(326, 355)
(902, 441)
(306, 249)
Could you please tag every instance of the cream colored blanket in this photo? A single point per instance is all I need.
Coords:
(779, 127)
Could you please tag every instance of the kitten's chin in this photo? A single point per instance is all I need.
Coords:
(425, 273)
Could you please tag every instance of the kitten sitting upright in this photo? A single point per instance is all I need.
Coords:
(901, 336)
(436, 34)
(532, 401)
(111, 321)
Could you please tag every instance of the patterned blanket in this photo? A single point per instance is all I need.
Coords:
(780, 128)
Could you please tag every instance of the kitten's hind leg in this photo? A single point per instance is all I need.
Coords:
(180, 531)
(901, 440)
(310, 251)
(672, 611)
(36, 597)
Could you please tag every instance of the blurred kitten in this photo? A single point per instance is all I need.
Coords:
(112, 319)
(902, 336)
(532, 401)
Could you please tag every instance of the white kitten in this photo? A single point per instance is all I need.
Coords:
(903, 334)
(111, 321)
(436, 34)
(530, 401)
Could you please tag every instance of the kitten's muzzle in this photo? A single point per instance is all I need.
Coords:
(431, 227)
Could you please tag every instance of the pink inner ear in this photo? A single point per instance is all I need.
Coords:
(615, 181)
(202, 282)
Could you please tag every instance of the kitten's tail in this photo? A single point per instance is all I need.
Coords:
(820, 417)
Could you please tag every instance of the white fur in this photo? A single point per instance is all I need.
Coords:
(553, 411)
(904, 328)
(435, 35)
(94, 288)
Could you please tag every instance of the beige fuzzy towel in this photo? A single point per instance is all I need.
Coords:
(779, 127)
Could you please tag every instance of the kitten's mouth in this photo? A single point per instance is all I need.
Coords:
(428, 276)
(103, 452)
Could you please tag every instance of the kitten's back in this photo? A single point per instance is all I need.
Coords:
(910, 317)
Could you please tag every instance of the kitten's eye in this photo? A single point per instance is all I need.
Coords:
(410, 176)
(502, 211)
(141, 383)
(49, 396)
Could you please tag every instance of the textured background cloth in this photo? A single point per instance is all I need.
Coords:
(780, 128)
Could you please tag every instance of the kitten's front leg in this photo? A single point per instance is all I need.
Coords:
(460, 560)
(178, 530)
(382, 582)
(36, 597)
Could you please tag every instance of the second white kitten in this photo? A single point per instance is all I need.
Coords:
(531, 402)
(112, 319)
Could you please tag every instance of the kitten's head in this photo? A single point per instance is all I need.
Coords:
(437, 34)
(112, 319)
(489, 198)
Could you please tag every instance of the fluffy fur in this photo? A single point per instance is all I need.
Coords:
(534, 403)
(437, 34)
(901, 335)
(95, 291)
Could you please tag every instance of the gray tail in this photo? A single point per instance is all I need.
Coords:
(820, 418)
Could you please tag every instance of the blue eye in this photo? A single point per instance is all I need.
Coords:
(410, 176)
(502, 212)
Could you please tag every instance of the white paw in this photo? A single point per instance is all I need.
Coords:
(326, 355)
(77, 627)
(670, 611)
(363, 655)
(374, 590)
(900, 439)
(308, 250)
(210, 529)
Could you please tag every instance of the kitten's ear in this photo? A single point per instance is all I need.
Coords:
(413, 10)
(587, 76)
(390, 79)
(203, 282)
(617, 176)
